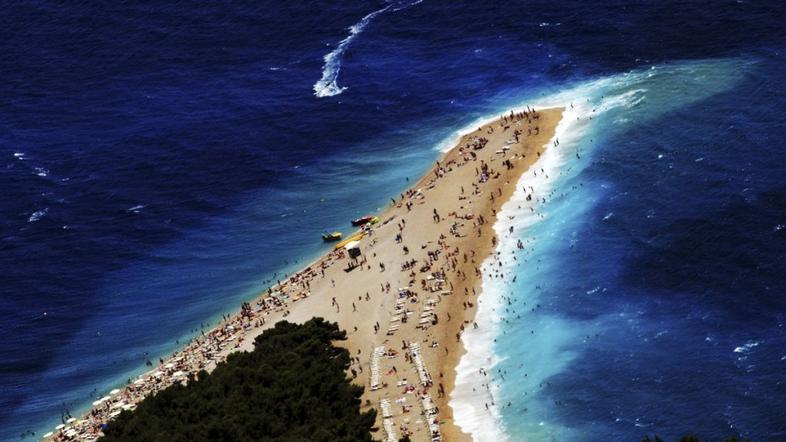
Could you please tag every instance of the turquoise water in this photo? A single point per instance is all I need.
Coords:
(163, 162)
(530, 341)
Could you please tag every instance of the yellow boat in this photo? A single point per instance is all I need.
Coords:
(335, 236)
(354, 237)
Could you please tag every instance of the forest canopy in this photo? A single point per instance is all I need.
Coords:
(292, 387)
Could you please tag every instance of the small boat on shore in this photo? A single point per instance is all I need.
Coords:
(362, 220)
(354, 237)
(335, 236)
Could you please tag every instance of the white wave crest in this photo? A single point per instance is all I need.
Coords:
(747, 347)
(639, 95)
(38, 214)
(468, 398)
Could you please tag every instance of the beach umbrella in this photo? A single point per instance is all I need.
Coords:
(71, 421)
(105, 398)
(96, 403)
(50, 434)
(115, 391)
(60, 427)
(139, 382)
(170, 365)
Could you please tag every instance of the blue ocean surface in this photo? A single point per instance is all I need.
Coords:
(163, 162)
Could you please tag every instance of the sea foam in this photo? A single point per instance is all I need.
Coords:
(38, 214)
(469, 397)
(583, 103)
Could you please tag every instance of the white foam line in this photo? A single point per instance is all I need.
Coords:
(469, 397)
(582, 102)
(576, 95)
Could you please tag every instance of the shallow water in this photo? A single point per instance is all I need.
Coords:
(647, 283)
(161, 163)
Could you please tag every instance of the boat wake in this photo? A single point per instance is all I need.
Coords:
(327, 86)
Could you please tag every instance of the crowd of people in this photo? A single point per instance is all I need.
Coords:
(439, 264)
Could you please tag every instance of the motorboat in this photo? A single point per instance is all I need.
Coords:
(335, 236)
(362, 220)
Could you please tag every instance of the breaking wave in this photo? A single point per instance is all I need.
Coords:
(640, 94)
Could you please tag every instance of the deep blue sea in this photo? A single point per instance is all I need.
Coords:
(161, 162)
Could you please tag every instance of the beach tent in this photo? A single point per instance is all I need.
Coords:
(353, 248)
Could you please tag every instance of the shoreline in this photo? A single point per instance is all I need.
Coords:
(474, 389)
(427, 303)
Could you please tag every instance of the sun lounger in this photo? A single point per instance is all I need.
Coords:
(390, 430)
(425, 379)
(374, 382)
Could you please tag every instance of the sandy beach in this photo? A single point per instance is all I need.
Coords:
(404, 301)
